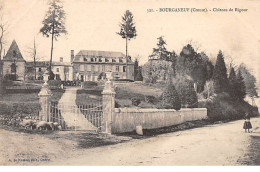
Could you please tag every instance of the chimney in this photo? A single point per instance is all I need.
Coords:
(61, 59)
(72, 56)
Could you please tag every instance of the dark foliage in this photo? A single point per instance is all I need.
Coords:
(139, 76)
(220, 75)
(170, 98)
(240, 88)
(135, 101)
(89, 84)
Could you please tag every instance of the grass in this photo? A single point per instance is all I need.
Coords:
(86, 97)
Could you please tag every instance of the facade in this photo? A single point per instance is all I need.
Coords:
(91, 65)
(14, 63)
(85, 66)
(62, 70)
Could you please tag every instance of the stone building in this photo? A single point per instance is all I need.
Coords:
(62, 70)
(14, 63)
(90, 65)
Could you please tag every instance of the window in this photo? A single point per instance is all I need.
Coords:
(88, 67)
(40, 69)
(124, 68)
(117, 68)
(92, 59)
(100, 60)
(120, 60)
(85, 59)
(57, 76)
(106, 60)
(113, 60)
(13, 68)
(81, 67)
(57, 70)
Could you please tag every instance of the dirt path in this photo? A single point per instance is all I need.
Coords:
(71, 114)
(222, 144)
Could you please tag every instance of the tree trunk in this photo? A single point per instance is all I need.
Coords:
(52, 36)
(126, 58)
(34, 59)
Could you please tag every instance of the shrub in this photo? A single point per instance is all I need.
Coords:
(222, 107)
(151, 99)
(11, 109)
(117, 105)
(89, 84)
(170, 98)
(135, 101)
(54, 83)
(10, 77)
(125, 80)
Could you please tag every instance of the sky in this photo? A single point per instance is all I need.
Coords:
(92, 25)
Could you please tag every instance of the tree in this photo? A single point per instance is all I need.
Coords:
(33, 54)
(54, 23)
(170, 98)
(249, 79)
(136, 68)
(232, 90)
(220, 74)
(161, 53)
(241, 88)
(127, 31)
(139, 76)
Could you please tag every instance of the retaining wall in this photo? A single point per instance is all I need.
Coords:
(126, 119)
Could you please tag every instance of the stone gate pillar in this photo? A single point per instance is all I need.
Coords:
(108, 102)
(45, 99)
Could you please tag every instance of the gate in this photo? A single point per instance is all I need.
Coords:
(76, 117)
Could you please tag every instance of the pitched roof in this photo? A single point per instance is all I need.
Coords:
(14, 53)
(97, 54)
(46, 64)
(100, 53)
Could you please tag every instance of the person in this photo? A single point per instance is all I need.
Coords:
(247, 124)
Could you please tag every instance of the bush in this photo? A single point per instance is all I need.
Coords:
(89, 84)
(20, 108)
(135, 101)
(151, 99)
(54, 83)
(170, 98)
(125, 80)
(10, 77)
(222, 107)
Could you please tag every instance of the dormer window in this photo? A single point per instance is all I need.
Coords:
(113, 60)
(121, 60)
(92, 59)
(85, 59)
(106, 60)
(100, 60)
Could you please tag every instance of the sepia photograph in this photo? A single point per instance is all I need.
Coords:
(129, 83)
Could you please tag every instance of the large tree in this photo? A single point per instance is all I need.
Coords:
(127, 31)
(232, 90)
(220, 74)
(249, 79)
(54, 23)
(241, 88)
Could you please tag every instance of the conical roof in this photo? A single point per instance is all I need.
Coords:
(14, 53)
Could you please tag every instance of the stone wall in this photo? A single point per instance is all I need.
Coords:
(126, 119)
(20, 69)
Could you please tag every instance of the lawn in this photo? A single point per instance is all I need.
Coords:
(24, 103)
(148, 94)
